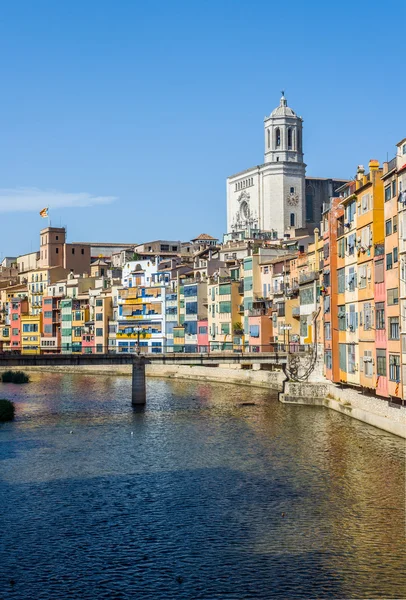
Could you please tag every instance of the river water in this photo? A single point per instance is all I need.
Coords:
(198, 496)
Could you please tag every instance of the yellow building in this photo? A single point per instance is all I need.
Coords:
(31, 333)
(225, 312)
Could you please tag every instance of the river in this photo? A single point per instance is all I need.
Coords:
(213, 491)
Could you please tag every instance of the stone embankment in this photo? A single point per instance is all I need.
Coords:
(347, 401)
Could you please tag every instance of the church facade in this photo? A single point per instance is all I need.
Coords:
(276, 196)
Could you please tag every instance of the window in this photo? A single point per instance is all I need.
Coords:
(393, 188)
(191, 308)
(393, 328)
(388, 193)
(292, 190)
(380, 315)
(368, 316)
(48, 314)
(352, 318)
(289, 139)
(379, 271)
(47, 328)
(269, 138)
(395, 223)
(341, 247)
(15, 331)
(277, 137)
(225, 307)
(15, 317)
(362, 275)
(307, 295)
(352, 280)
(57, 250)
(341, 318)
(343, 357)
(303, 326)
(404, 149)
(388, 227)
(351, 358)
(341, 280)
(328, 359)
(351, 244)
(393, 296)
(99, 347)
(326, 251)
(202, 330)
(350, 212)
(389, 261)
(82, 251)
(381, 363)
(73, 250)
(394, 367)
(292, 219)
(365, 203)
(99, 332)
(395, 255)
(99, 316)
(99, 302)
(309, 208)
(327, 331)
(326, 304)
(368, 364)
(30, 327)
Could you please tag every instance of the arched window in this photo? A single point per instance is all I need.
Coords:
(269, 139)
(292, 219)
(289, 139)
(299, 141)
(277, 137)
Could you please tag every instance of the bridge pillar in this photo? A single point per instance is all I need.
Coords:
(139, 393)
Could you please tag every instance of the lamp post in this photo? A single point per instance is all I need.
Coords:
(138, 330)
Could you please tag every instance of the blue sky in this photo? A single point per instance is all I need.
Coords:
(126, 117)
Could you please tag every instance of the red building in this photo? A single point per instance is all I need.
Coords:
(51, 325)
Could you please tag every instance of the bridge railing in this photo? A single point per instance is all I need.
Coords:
(210, 348)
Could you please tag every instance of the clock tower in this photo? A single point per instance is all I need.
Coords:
(271, 197)
(284, 170)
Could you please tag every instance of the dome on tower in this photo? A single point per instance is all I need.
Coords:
(283, 109)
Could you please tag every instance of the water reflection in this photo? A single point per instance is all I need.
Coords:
(197, 496)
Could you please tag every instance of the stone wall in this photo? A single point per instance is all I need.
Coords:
(348, 401)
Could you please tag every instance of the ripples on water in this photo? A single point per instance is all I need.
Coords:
(191, 505)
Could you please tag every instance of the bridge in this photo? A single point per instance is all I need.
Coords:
(138, 362)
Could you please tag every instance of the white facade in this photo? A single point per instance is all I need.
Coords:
(271, 196)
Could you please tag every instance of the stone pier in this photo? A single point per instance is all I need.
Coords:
(139, 393)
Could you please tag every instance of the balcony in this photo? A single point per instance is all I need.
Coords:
(307, 277)
(241, 308)
(259, 312)
(296, 311)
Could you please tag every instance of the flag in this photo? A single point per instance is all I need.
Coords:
(43, 213)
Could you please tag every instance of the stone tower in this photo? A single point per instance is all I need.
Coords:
(283, 170)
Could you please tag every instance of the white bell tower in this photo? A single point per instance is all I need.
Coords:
(284, 170)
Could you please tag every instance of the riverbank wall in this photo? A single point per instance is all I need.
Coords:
(321, 393)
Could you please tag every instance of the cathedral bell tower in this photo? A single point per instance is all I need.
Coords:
(284, 170)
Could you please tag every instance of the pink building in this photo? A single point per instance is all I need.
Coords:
(88, 345)
(19, 306)
(260, 333)
(203, 335)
